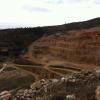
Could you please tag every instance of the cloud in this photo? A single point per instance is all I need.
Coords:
(54, 1)
(65, 1)
(24, 13)
(37, 9)
(97, 1)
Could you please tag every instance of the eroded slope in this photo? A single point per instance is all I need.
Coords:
(75, 47)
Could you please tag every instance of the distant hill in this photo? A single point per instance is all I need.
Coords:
(78, 44)
(67, 42)
(24, 36)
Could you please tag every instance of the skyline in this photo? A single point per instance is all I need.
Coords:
(32, 13)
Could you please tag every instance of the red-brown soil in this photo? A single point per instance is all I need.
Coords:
(77, 48)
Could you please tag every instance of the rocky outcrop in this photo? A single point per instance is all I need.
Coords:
(80, 86)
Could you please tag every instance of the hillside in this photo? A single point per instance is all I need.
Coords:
(17, 40)
(44, 60)
(78, 47)
(13, 78)
(58, 50)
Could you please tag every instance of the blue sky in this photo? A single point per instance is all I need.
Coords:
(30, 13)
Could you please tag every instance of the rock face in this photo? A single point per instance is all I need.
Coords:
(70, 97)
(77, 46)
(5, 95)
(98, 93)
(81, 86)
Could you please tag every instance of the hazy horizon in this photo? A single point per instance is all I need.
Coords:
(33, 13)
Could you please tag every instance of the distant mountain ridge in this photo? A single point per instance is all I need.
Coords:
(92, 23)
(20, 32)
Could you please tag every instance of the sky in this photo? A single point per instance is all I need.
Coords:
(32, 13)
